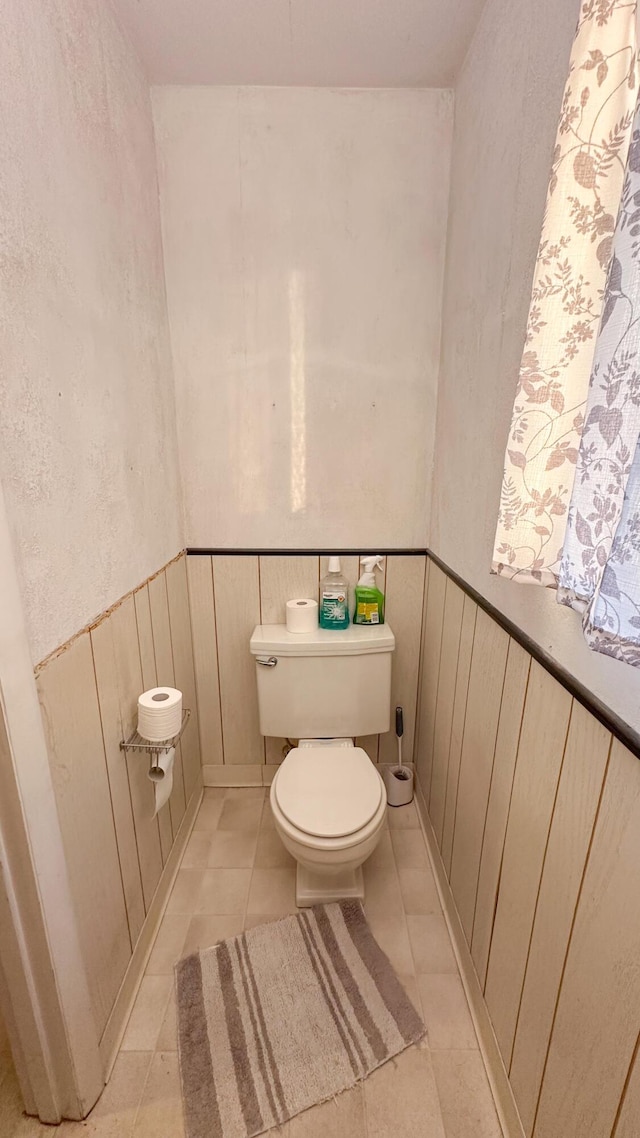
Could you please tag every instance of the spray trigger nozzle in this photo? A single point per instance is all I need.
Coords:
(369, 564)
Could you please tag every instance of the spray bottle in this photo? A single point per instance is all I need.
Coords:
(369, 598)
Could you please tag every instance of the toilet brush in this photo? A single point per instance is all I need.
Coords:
(399, 779)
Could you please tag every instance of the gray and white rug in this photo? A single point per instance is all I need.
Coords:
(285, 1016)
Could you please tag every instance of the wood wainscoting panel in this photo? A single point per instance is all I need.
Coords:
(205, 656)
(281, 580)
(150, 680)
(182, 648)
(404, 603)
(369, 743)
(628, 1125)
(69, 701)
(433, 617)
(465, 648)
(488, 664)
(159, 604)
(595, 1030)
(451, 629)
(579, 791)
(236, 585)
(504, 765)
(145, 638)
(130, 684)
(542, 742)
(113, 732)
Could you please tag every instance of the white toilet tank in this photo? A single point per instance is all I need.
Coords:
(325, 683)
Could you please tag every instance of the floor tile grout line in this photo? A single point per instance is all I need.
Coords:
(253, 866)
(406, 924)
(171, 990)
(427, 868)
(141, 1099)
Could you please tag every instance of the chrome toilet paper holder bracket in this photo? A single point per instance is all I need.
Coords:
(135, 742)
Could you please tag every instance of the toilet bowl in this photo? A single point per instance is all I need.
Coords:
(329, 805)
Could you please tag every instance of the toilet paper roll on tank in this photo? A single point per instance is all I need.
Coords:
(301, 615)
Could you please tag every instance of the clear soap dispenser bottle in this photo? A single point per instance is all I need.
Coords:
(334, 597)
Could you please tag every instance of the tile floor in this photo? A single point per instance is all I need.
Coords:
(235, 873)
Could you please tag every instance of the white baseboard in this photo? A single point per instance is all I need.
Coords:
(232, 774)
(496, 1073)
(117, 1022)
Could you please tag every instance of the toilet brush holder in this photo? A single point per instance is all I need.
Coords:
(399, 784)
(399, 779)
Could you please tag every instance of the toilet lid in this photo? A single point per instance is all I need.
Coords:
(328, 792)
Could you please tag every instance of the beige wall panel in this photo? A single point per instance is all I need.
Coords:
(130, 684)
(574, 815)
(488, 663)
(452, 626)
(145, 638)
(629, 1120)
(219, 774)
(542, 741)
(180, 624)
(150, 680)
(237, 599)
(511, 710)
(370, 744)
(433, 616)
(159, 605)
(72, 719)
(596, 1025)
(284, 578)
(113, 731)
(404, 604)
(205, 657)
(273, 749)
(467, 633)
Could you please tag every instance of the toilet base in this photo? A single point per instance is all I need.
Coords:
(321, 888)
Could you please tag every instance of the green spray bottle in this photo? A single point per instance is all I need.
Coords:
(369, 598)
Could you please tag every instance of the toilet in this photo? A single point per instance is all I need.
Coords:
(325, 688)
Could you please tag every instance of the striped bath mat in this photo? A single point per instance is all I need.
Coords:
(284, 1016)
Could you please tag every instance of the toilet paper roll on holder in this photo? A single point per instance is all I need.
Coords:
(135, 742)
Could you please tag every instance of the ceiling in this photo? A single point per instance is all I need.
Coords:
(309, 43)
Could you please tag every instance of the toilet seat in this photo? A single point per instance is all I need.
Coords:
(328, 796)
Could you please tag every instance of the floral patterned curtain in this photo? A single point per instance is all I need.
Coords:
(570, 506)
(600, 565)
(573, 259)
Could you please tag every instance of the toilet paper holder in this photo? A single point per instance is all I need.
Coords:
(135, 742)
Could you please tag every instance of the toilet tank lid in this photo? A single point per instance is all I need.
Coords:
(357, 640)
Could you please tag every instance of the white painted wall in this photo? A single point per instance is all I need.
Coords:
(88, 453)
(304, 235)
(507, 104)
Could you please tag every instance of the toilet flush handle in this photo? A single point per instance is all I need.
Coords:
(268, 663)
